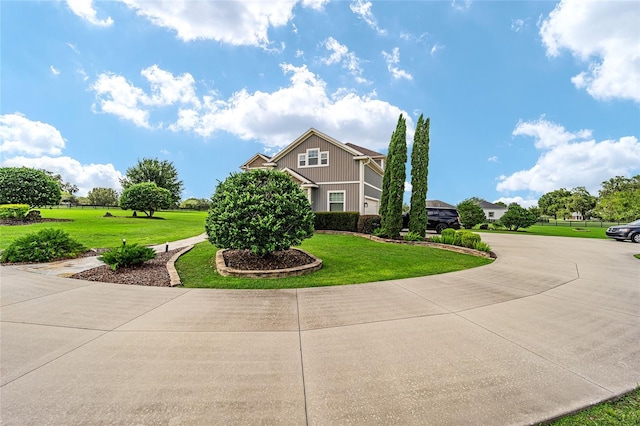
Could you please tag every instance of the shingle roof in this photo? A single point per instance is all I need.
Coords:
(439, 204)
(487, 205)
(365, 151)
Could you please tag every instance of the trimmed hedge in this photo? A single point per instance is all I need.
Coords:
(14, 211)
(337, 221)
(462, 238)
(368, 223)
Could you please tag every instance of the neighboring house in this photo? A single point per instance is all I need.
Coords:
(493, 212)
(437, 204)
(335, 176)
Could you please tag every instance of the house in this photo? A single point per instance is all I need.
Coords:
(437, 204)
(493, 212)
(335, 176)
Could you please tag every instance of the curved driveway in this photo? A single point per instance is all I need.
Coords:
(552, 326)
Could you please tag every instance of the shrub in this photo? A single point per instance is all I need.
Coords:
(469, 239)
(482, 246)
(13, 211)
(126, 256)
(44, 246)
(471, 214)
(517, 217)
(448, 236)
(368, 223)
(413, 236)
(22, 185)
(337, 221)
(462, 239)
(260, 210)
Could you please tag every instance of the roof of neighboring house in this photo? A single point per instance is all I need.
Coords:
(365, 151)
(263, 157)
(439, 204)
(490, 206)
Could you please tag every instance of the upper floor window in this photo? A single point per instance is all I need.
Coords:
(313, 158)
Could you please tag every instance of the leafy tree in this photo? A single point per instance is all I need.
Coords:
(536, 211)
(554, 203)
(67, 187)
(499, 203)
(517, 217)
(260, 210)
(396, 168)
(146, 197)
(419, 178)
(162, 173)
(471, 214)
(619, 199)
(581, 201)
(22, 185)
(103, 197)
(195, 204)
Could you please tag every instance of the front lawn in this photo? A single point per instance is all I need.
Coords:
(89, 226)
(625, 411)
(347, 259)
(555, 231)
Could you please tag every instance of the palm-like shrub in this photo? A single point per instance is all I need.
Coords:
(260, 210)
(126, 256)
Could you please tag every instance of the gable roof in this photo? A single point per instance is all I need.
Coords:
(306, 183)
(490, 206)
(365, 151)
(263, 157)
(308, 133)
(439, 204)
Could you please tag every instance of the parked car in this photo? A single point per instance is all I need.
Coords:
(439, 219)
(630, 231)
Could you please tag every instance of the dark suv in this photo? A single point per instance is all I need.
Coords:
(440, 218)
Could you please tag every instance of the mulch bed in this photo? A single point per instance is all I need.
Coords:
(151, 273)
(246, 260)
(10, 222)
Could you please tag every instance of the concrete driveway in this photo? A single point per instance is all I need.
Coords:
(550, 327)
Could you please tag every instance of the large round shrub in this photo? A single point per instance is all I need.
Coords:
(260, 210)
(22, 185)
(146, 197)
(43, 246)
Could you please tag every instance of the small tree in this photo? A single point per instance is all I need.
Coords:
(260, 210)
(517, 217)
(195, 204)
(103, 197)
(146, 197)
(419, 173)
(22, 185)
(471, 214)
(162, 173)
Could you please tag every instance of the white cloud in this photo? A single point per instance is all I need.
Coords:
(41, 145)
(84, 176)
(54, 71)
(392, 59)
(275, 119)
(523, 202)
(73, 47)
(115, 95)
(436, 48)
(340, 55)
(461, 6)
(519, 24)
(493, 159)
(236, 22)
(362, 8)
(18, 134)
(604, 35)
(408, 187)
(571, 159)
(85, 10)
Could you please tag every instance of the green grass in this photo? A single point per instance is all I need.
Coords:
(346, 259)
(637, 256)
(89, 227)
(556, 231)
(625, 411)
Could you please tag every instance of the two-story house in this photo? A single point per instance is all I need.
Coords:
(335, 176)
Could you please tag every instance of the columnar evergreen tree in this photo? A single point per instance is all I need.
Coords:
(386, 179)
(419, 173)
(398, 172)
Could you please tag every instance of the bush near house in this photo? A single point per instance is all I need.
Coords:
(367, 223)
(337, 221)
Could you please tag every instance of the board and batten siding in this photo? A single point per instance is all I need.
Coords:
(321, 197)
(258, 163)
(342, 167)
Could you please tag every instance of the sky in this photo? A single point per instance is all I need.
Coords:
(523, 97)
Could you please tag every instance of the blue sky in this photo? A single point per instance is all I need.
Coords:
(524, 97)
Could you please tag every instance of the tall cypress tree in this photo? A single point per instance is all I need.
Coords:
(419, 172)
(386, 179)
(397, 169)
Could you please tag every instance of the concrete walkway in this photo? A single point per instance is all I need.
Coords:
(550, 327)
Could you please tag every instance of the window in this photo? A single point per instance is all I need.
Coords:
(313, 158)
(336, 201)
(491, 214)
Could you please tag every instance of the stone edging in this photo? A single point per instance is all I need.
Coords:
(225, 271)
(449, 247)
(171, 268)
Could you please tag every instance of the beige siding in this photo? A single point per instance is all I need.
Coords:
(371, 192)
(372, 178)
(257, 163)
(342, 167)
